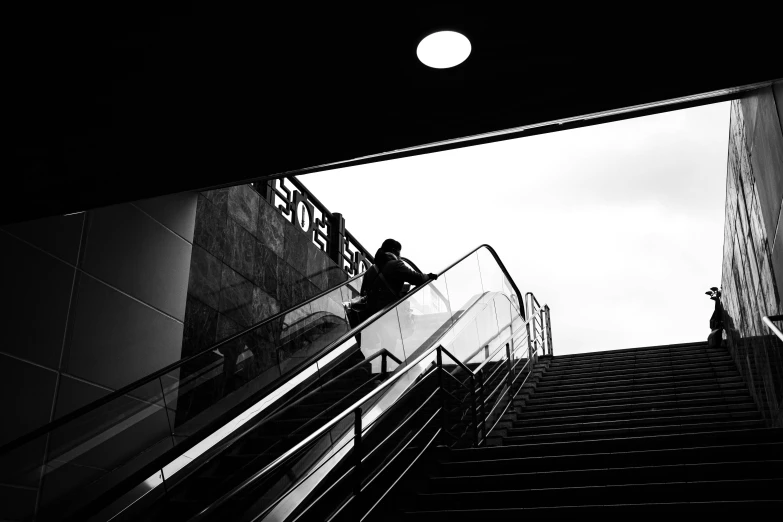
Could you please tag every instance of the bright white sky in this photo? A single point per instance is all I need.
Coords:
(618, 227)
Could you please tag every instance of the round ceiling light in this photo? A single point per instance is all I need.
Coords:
(443, 49)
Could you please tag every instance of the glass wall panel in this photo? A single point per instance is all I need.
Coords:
(463, 283)
(428, 316)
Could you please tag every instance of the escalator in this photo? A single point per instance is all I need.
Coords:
(254, 424)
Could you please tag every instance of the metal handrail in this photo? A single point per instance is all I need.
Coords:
(359, 487)
(767, 319)
(351, 334)
(272, 466)
(351, 410)
(125, 390)
(301, 367)
(129, 388)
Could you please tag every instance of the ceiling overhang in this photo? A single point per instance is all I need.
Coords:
(145, 103)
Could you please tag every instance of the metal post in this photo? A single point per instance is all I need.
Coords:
(444, 407)
(384, 369)
(473, 410)
(510, 375)
(336, 238)
(532, 355)
(548, 331)
(357, 451)
(486, 352)
(482, 406)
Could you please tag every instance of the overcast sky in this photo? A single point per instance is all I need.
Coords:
(618, 227)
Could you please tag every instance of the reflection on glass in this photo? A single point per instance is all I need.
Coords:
(430, 317)
(492, 277)
(464, 284)
(383, 334)
(471, 310)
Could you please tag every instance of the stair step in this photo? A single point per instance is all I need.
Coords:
(534, 404)
(725, 437)
(701, 355)
(681, 491)
(607, 476)
(634, 352)
(542, 393)
(601, 370)
(737, 508)
(590, 417)
(514, 458)
(606, 421)
(587, 383)
(658, 429)
(589, 407)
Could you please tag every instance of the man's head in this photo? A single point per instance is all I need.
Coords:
(392, 246)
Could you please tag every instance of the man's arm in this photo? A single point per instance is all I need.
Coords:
(407, 275)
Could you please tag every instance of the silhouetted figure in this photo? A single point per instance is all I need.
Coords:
(384, 283)
(716, 321)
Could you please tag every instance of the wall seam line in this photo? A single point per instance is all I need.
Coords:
(183, 238)
(22, 359)
(97, 279)
(58, 378)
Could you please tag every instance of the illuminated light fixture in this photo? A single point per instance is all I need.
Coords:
(443, 49)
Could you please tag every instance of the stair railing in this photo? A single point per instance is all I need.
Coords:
(487, 387)
(539, 332)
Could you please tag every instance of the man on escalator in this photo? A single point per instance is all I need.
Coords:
(384, 283)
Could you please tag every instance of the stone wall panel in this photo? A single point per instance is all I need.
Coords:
(767, 158)
(210, 227)
(236, 297)
(753, 261)
(240, 249)
(243, 203)
(271, 228)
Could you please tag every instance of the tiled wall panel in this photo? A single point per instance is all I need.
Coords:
(110, 318)
(752, 250)
(115, 339)
(105, 297)
(28, 391)
(59, 235)
(36, 295)
(134, 253)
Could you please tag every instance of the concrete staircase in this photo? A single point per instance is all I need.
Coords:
(658, 430)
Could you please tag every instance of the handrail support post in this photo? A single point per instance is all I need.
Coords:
(510, 376)
(532, 354)
(482, 406)
(444, 406)
(548, 330)
(473, 410)
(357, 451)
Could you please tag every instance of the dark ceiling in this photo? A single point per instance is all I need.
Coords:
(122, 105)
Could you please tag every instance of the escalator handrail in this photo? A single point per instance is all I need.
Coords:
(125, 390)
(399, 372)
(352, 333)
(313, 436)
(88, 408)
